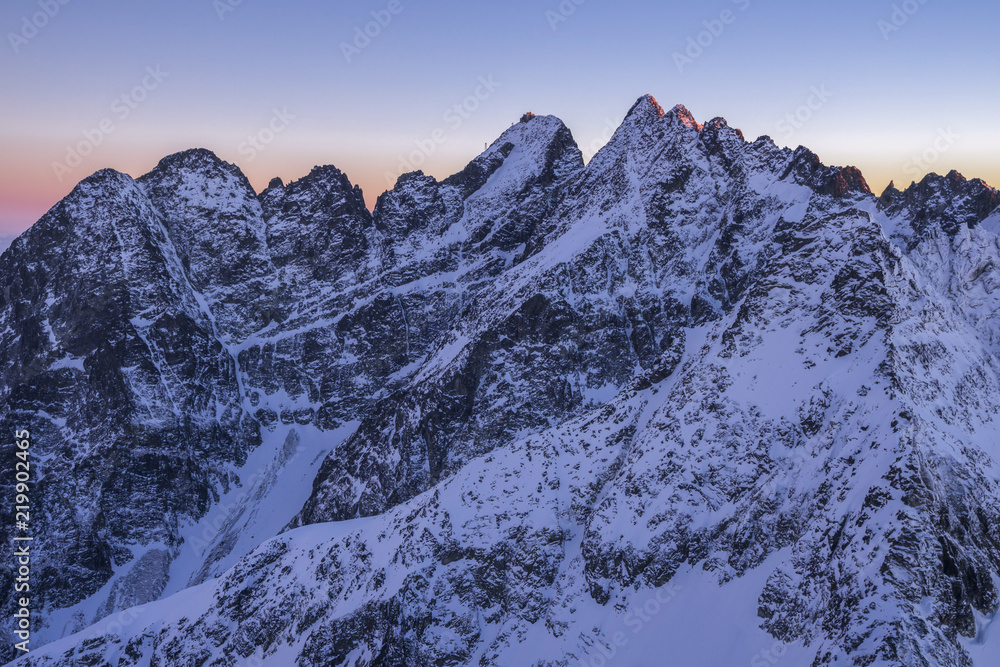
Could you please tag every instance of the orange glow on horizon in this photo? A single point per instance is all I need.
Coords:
(29, 188)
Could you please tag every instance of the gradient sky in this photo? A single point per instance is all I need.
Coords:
(921, 83)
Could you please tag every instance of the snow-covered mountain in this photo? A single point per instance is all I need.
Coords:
(700, 401)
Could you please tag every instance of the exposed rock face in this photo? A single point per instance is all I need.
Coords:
(946, 203)
(111, 360)
(553, 393)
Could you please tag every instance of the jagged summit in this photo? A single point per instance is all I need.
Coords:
(807, 169)
(326, 182)
(96, 210)
(325, 176)
(528, 153)
(722, 140)
(645, 109)
(644, 104)
(531, 130)
(184, 170)
(194, 159)
(719, 124)
(104, 178)
(324, 171)
(888, 195)
(953, 181)
(938, 203)
(685, 117)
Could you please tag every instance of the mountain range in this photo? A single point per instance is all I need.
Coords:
(697, 401)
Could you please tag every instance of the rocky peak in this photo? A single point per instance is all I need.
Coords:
(718, 125)
(318, 226)
(106, 178)
(533, 154)
(415, 203)
(850, 180)
(198, 179)
(412, 177)
(722, 141)
(956, 177)
(496, 197)
(684, 117)
(99, 205)
(113, 342)
(643, 135)
(215, 225)
(888, 195)
(194, 162)
(806, 168)
(646, 106)
(955, 185)
(326, 176)
(85, 225)
(940, 202)
(323, 187)
(645, 116)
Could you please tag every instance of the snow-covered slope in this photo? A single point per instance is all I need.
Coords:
(699, 401)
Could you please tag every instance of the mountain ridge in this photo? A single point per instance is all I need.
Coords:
(539, 388)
